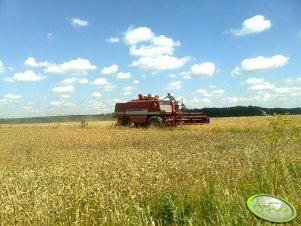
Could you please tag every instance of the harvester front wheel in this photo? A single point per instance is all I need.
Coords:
(155, 121)
(125, 121)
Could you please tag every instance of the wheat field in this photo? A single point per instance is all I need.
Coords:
(61, 174)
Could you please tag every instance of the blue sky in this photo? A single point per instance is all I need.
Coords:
(81, 57)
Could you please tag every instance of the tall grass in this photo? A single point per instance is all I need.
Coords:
(104, 175)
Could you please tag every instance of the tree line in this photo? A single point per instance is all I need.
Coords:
(245, 111)
(210, 112)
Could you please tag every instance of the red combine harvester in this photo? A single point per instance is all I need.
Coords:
(153, 111)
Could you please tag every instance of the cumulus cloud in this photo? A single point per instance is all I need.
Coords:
(77, 22)
(136, 81)
(11, 96)
(205, 93)
(204, 70)
(27, 76)
(172, 75)
(63, 89)
(50, 36)
(73, 80)
(103, 84)
(95, 104)
(174, 86)
(97, 94)
(56, 103)
(252, 25)
(65, 96)
(260, 63)
(160, 63)
(31, 62)
(155, 53)
(109, 70)
(134, 36)
(62, 103)
(112, 40)
(1, 67)
(124, 75)
(196, 102)
(8, 79)
(259, 84)
(128, 90)
(75, 67)
(232, 100)
(290, 80)
(218, 92)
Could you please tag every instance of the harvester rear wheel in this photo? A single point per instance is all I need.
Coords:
(155, 121)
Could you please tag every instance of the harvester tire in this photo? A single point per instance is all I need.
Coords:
(125, 121)
(155, 121)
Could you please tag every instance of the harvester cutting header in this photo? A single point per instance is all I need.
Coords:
(153, 111)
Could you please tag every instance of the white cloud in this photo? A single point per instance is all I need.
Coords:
(195, 102)
(126, 75)
(204, 93)
(2, 68)
(172, 75)
(31, 62)
(56, 103)
(76, 22)
(63, 89)
(97, 94)
(109, 70)
(218, 92)
(160, 63)
(232, 100)
(165, 41)
(254, 81)
(75, 67)
(204, 70)
(206, 100)
(29, 109)
(293, 80)
(50, 36)
(62, 103)
(11, 96)
(260, 63)
(27, 76)
(95, 104)
(8, 79)
(252, 25)
(155, 53)
(65, 96)
(103, 84)
(128, 90)
(134, 36)
(100, 81)
(73, 80)
(151, 50)
(259, 84)
(174, 86)
(112, 40)
(282, 90)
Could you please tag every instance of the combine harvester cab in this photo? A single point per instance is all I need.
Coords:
(153, 111)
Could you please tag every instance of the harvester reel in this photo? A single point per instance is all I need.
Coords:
(155, 121)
